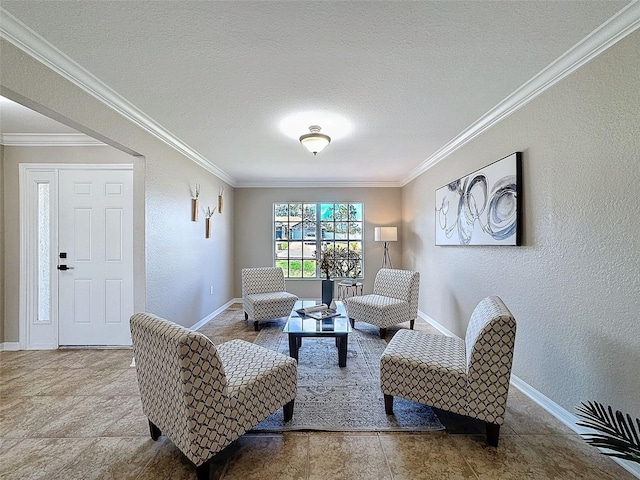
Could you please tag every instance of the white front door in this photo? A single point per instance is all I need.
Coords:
(95, 257)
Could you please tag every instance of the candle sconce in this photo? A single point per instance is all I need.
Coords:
(207, 221)
(194, 203)
(220, 199)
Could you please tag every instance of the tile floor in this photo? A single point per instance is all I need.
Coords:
(75, 414)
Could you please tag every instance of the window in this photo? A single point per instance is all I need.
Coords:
(44, 249)
(303, 230)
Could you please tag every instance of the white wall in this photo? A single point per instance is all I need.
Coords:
(574, 285)
(253, 222)
(181, 264)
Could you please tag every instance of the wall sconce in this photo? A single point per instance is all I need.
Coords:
(207, 221)
(385, 235)
(194, 203)
(220, 199)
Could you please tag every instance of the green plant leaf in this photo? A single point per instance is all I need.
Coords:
(617, 432)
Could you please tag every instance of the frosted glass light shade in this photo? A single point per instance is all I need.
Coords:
(315, 141)
(385, 234)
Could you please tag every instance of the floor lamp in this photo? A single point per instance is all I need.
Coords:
(385, 235)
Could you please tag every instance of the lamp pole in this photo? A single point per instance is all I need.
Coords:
(386, 258)
(385, 235)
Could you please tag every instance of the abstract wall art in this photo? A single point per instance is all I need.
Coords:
(482, 208)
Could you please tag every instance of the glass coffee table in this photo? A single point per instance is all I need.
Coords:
(299, 326)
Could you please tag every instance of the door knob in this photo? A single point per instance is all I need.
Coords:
(64, 267)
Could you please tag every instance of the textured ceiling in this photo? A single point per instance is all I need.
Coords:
(407, 76)
(15, 118)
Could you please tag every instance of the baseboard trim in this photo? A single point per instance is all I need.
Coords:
(218, 311)
(9, 346)
(209, 317)
(560, 413)
(436, 325)
(566, 417)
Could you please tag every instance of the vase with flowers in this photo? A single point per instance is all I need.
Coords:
(327, 267)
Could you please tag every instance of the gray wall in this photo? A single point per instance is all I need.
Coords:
(181, 264)
(254, 228)
(2, 215)
(574, 285)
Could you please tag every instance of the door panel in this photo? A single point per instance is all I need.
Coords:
(96, 232)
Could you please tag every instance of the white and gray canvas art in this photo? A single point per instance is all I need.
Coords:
(481, 208)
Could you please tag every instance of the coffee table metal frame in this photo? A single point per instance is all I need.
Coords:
(298, 327)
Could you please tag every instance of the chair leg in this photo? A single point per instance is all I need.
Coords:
(287, 410)
(383, 333)
(246, 316)
(412, 323)
(154, 431)
(388, 404)
(202, 471)
(255, 325)
(493, 432)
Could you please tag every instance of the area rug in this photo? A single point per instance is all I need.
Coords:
(346, 399)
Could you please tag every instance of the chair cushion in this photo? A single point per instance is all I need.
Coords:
(378, 310)
(259, 379)
(426, 368)
(264, 306)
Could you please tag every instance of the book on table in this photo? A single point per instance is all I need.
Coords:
(319, 312)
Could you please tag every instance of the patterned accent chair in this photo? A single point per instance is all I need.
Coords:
(394, 300)
(469, 377)
(204, 397)
(264, 294)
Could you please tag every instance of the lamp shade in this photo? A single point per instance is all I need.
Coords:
(315, 141)
(385, 234)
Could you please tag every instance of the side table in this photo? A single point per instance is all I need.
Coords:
(346, 290)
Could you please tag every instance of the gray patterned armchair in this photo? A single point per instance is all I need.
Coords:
(264, 294)
(469, 377)
(394, 300)
(204, 397)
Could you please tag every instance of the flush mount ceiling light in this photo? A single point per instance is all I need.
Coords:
(315, 141)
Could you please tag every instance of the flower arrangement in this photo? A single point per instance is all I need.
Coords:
(339, 262)
(326, 261)
(220, 194)
(194, 202)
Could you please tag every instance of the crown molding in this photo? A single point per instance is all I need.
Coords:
(49, 140)
(315, 183)
(30, 42)
(616, 28)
